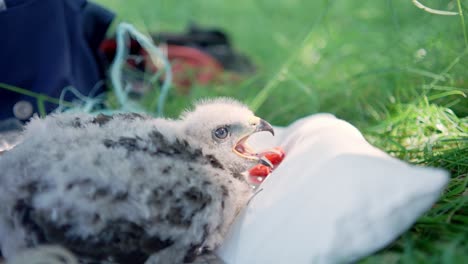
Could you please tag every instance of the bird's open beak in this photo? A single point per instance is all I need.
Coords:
(242, 149)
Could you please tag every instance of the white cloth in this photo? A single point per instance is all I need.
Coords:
(334, 199)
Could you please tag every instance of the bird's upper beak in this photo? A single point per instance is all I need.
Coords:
(264, 126)
(241, 148)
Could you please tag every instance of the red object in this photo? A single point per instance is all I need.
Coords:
(189, 65)
(275, 156)
(259, 172)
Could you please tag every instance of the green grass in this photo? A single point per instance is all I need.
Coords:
(396, 72)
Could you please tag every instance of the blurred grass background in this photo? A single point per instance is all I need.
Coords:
(395, 71)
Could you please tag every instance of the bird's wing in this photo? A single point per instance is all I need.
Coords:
(105, 193)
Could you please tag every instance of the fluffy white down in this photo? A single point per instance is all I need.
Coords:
(58, 151)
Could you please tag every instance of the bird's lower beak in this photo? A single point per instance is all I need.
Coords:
(243, 149)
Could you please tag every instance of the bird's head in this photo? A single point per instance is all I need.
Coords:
(222, 126)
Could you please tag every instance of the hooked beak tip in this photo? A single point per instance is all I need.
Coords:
(264, 126)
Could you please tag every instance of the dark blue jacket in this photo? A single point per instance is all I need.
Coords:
(46, 45)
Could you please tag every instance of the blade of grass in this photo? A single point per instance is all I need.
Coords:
(258, 101)
(42, 97)
(462, 21)
(433, 11)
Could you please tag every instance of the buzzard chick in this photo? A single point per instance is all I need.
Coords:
(128, 188)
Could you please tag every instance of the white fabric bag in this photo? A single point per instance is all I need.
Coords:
(334, 199)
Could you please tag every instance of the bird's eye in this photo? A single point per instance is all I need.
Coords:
(221, 132)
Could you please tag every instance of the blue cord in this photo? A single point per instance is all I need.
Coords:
(89, 103)
(119, 61)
